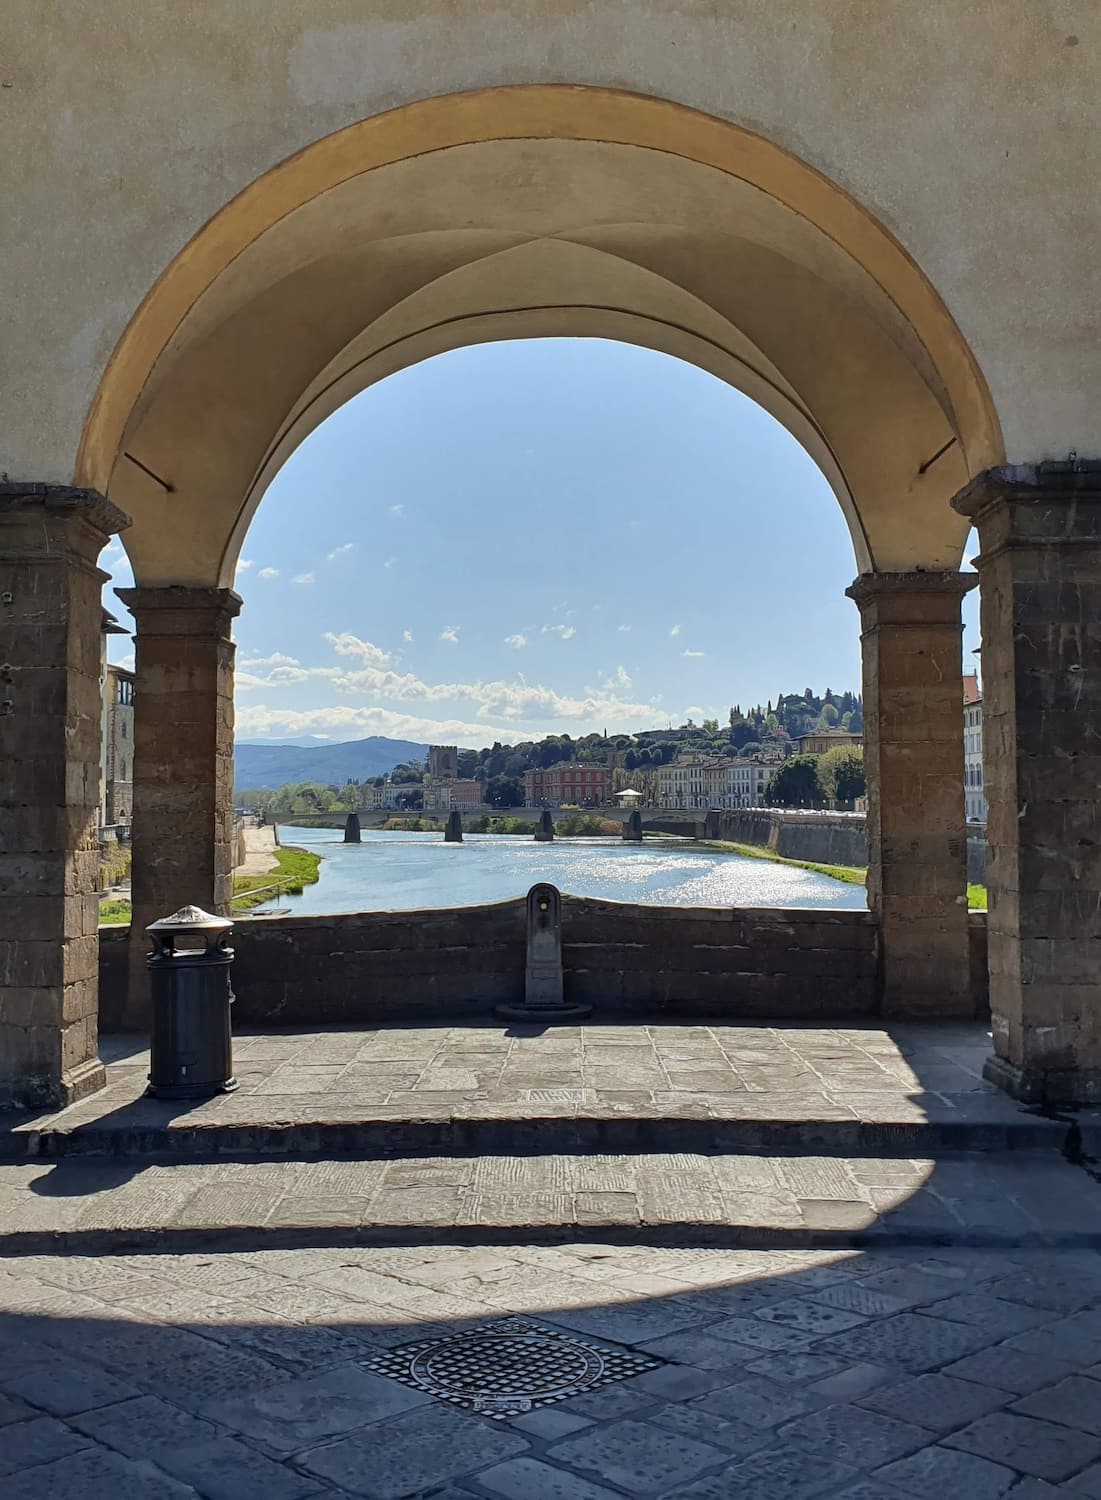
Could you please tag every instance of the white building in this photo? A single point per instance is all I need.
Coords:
(741, 783)
(973, 790)
(701, 783)
(387, 795)
(686, 783)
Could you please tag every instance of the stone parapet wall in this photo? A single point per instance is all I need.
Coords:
(367, 968)
(734, 962)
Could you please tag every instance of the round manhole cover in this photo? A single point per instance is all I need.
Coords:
(508, 1367)
(524, 1366)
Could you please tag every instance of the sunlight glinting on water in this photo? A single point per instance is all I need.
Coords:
(404, 871)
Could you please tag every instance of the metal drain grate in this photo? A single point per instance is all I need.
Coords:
(504, 1369)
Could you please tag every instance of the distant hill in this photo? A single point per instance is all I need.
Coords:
(272, 766)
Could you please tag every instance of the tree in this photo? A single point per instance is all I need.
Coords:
(711, 726)
(505, 791)
(827, 719)
(795, 783)
(841, 773)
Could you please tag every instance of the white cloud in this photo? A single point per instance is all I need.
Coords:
(564, 632)
(623, 629)
(340, 551)
(695, 712)
(304, 578)
(329, 723)
(693, 653)
(675, 630)
(369, 674)
(618, 681)
(126, 662)
(389, 563)
(276, 659)
(268, 573)
(518, 641)
(407, 635)
(275, 670)
(245, 682)
(396, 510)
(351, 645)
(243, 564)
(450, 633)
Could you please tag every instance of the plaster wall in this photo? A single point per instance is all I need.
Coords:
(970, 132)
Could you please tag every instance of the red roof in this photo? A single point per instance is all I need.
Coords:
(972, 693)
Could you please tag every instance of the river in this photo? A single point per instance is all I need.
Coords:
(403, 871)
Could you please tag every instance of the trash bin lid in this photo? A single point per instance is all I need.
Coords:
(191, 919)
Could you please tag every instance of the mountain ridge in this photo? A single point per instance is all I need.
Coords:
(266, 767)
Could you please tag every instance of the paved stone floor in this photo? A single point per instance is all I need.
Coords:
(742, 1080)
(1030, 1198)
(868, 1376)
(194, 1299)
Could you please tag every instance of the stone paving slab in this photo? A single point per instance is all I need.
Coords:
(722, 1415)
(1018, 1199)
(904, 1091)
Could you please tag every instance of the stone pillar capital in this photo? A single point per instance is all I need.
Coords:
(917, 598)
(1072, 479)
(42, 520)
(1055, 504)
(180, 610)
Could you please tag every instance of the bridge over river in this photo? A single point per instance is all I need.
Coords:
(658, 820)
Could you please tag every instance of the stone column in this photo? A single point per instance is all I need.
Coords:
(50, 717)
(1040, 563)
(183, 762)
(913, 756)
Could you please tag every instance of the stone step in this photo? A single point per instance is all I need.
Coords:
(222, 1130)
(1022, 1199)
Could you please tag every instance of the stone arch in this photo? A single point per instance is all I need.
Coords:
(525, 211)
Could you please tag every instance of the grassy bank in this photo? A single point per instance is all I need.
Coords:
(293, 870)
(850, 874)
(114, 913)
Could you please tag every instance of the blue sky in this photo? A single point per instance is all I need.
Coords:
(537, 537)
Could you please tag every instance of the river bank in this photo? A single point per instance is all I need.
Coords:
(850, 874)
(283, 871)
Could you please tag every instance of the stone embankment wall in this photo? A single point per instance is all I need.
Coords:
(820, 838)
(371, 968)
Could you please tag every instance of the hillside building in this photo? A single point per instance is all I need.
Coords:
(822, 740)
(569, 781)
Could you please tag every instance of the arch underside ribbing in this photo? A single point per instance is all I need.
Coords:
(385, 245)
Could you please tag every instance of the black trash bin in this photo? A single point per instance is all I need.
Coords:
(192, 1048)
